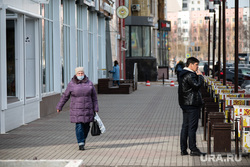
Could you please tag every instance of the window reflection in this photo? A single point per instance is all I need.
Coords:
(65, 43)
(136, 41)
(127, 40)
(90, 44)
(47, 48)
(140, 44)
(146, 41)
(10, 39)
(162, 44)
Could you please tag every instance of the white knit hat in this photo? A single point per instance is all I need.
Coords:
(77, 69)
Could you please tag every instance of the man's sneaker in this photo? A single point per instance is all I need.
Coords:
(197, 153)
(81, 147)
(184, 153)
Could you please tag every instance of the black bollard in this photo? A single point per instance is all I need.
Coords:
(209, 137)
(163, 79)
(236, 138)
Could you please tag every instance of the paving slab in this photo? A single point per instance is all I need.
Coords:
(142, 129)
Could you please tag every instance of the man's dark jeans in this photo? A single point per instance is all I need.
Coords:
(189, 128)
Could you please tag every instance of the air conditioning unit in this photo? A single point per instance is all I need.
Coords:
(135, 7)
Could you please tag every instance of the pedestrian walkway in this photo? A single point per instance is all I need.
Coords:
(142, 129)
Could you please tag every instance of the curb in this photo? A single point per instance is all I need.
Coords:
(41, 163)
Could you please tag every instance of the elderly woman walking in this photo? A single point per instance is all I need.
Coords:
(82, 106)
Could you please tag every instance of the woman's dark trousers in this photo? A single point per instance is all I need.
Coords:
(82, 130)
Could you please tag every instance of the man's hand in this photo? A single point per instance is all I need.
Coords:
(58, 111)
(198, 72)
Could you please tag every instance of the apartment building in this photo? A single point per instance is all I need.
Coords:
(194, 5)
(189, 33)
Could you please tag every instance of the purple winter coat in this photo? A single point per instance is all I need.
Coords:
(83, 100)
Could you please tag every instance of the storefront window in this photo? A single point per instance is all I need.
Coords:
(127, 40)
(139, 41)
(80, 31)
(11, 72)
(90, 44)
(13, 79)
(65, 43)
(146, 41)
(136, 41)
(61, 46)
(162, 45)
(100, 47)
(47, 48)
(21, 67)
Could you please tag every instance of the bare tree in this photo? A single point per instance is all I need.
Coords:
(177, 47)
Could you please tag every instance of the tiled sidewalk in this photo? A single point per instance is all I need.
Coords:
(142, 130)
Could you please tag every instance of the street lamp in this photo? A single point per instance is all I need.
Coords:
(236, 46)
(208, 61)
(214, 38)
(224, 41)
(219, 42)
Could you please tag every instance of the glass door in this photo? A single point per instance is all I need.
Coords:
(30, 58)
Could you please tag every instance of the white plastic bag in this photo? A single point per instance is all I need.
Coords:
(99, 122)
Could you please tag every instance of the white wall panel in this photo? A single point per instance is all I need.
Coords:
(13, 118)
(31, 112)
(2, 122)
(18, 116)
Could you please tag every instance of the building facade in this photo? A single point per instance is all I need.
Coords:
(118, 32)
(42, 42)
(142, 38)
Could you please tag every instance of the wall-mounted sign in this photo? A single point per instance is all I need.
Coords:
(122, 12)
(150, 19)
(164, 25)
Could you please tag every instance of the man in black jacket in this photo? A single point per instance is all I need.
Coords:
(190, 101)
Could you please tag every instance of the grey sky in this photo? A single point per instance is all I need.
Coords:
(242, 3)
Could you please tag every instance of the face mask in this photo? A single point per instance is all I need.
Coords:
(80, 77)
